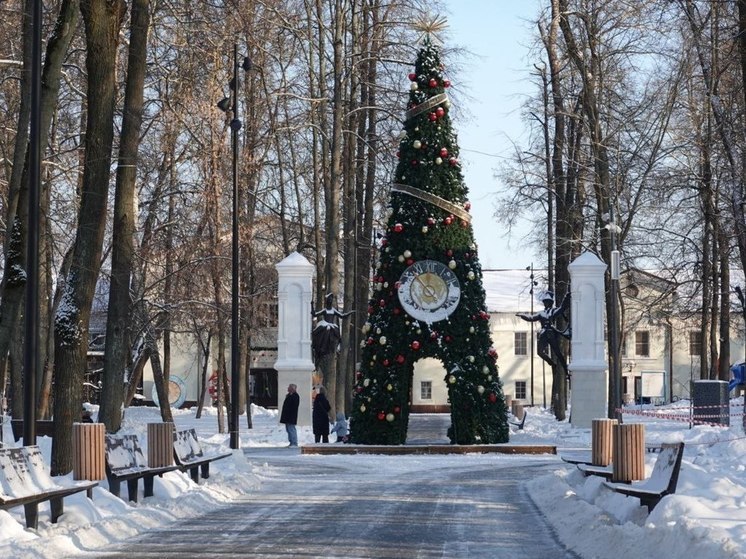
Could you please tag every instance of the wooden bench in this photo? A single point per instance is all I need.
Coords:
(189, 455)
(577, 457)
(125, 461)
(24, 480)
(520, 423)
(590, 470)
(661, 482)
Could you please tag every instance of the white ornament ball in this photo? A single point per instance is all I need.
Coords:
(452, 379)
(424, 229)
(386, 284)
(389, 387)
(401, 258)
(470, 275)
(470, 358)
(407, 253)
(378, 331)
(480, 389)
(416, 144)
(413, 86)
(366, 327)
(362, 408)
(452, 264)
(390, 417)
(471, 329)
(382, 340)
(438, 160)
(366, 382)
(486, 370)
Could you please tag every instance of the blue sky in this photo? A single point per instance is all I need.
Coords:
(496, 78)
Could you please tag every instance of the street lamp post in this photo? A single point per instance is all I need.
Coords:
(615, 370)
(31, 333)
(232, 105)
(532, 283)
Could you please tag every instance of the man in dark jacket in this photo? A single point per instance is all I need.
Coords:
(289, 414)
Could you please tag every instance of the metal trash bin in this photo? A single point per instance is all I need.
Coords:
(711, 402)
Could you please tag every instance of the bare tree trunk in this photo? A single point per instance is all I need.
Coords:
(13, 283)
(103, 20)
(118, 334)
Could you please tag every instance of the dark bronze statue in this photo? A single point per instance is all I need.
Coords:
(549, 336)
(326, 337)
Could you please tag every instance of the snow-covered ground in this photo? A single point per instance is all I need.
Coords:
(706, 518)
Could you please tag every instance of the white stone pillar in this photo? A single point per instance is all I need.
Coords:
(589, 399)
(294, 364)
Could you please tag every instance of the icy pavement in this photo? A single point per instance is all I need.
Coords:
(319, 506)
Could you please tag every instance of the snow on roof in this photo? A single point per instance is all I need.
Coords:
(509, 290)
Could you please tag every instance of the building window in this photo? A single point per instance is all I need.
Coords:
(520, 390)
(520, 343)
(426, 390)
(695, 343)
(623, 349)
(642, 343)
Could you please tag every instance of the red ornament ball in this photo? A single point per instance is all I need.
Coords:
(449, 252)
(381, 416)
(412, 77)
(446, 83)
(467, 206)
(397, 311)
(443, 152)
(432, 117)
(398, 228)
(414, 162)
(448, 220)
(415, 345)
(386, 362)
(448, 339)
(410, 261)
(433, 335)
(382, 303)
(492, 397)
(453, 161)
(397, 409)
(440, 111)
(431, 221)
(400, 359)
(433, 82)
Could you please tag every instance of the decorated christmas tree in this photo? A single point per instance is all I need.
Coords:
(428, 299)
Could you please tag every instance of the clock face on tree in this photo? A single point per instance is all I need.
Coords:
(429, 291)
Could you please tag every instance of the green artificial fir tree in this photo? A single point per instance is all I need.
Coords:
(428, 299)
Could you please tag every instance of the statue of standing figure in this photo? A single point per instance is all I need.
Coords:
(549, 335)
(326, 336)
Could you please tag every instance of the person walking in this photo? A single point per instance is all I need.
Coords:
(340, 427)
(289, 414)
(321, 408)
